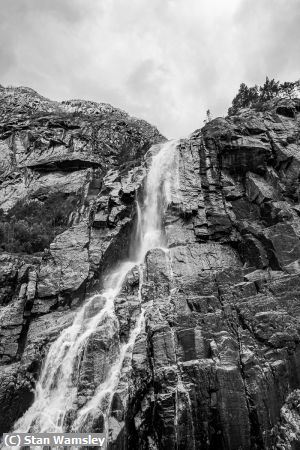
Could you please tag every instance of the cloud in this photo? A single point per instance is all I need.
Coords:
(165, 61)
(272, 46)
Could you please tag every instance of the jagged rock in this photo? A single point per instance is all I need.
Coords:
(258, 190)
(11, 328)
(37, 185)
(42, 331)
(287, 431)
(285, 244)
(245, 153)
(16, 394)
(67, 266)
(286, 107)
(8, 274)
(218, 352)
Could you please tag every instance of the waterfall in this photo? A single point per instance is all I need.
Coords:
(56, 391)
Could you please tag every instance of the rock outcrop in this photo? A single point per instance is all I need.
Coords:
(217, 365)
(92, 152)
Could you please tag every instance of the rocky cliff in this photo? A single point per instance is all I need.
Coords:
(217, 363)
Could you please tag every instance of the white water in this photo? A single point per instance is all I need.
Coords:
(56, 390)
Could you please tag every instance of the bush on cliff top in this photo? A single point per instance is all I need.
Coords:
(31, 225)
(256, 95)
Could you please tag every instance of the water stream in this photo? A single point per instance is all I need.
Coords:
(56, 390)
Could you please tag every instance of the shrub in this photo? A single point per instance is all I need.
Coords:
(31, 225)
(256, 95)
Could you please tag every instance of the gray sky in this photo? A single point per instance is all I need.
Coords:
(166, 61)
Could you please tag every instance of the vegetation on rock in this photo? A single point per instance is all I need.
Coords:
(256, 95)
(31, 225)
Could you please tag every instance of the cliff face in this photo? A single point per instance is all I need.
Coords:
(217, 363)
(75, 149)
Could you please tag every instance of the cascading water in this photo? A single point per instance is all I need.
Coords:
(56, 391)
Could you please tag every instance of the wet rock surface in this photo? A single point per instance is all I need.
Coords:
(76, 148)
(217, 363)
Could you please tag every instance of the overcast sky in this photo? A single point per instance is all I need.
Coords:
(166, 61)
